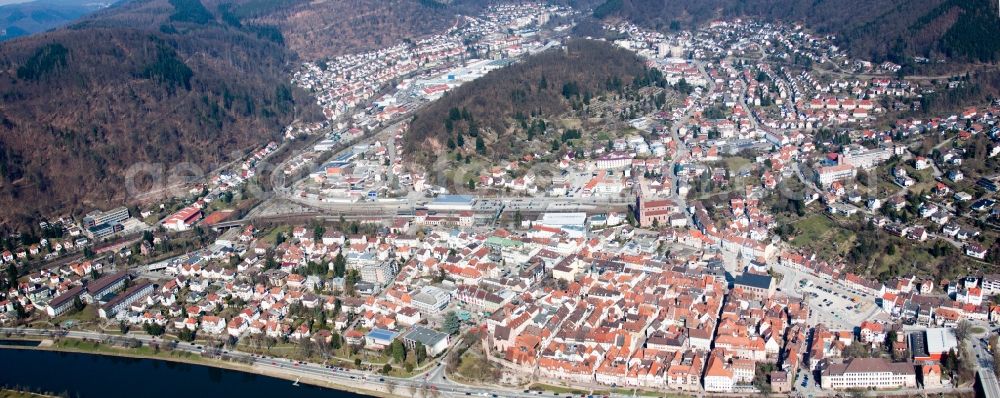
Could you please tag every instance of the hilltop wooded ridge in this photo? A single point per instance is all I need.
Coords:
(316, 30)
(478, 117)
(880, 29)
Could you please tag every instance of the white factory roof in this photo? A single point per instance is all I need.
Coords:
(563, 219)
(940, 340)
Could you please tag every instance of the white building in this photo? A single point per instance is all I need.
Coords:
(431, 300)
(866, 158)
(865, 373)
(573, 224)
(124, 300)
(829, 174)
(718, 376)
(452, 203)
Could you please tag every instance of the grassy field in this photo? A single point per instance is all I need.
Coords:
(87, 314)
(735, 163)
(475, 367)
(273, 234)
(557, 389)
(904, 256)
(571, 123)
(896, 256)
(925, 179)
(822, 235)
(459, 173)
(341, 357)
(144, 351)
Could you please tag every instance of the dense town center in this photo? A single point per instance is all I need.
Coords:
(765, 215)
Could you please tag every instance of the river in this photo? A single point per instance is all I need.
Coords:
(89, 375)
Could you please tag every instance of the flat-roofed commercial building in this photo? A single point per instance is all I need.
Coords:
(866, 158)
(101, 231)
(435, 342)
(111, 217)
(452, 203)
(431, 300)
(379, 338)
(573, 224)
(931, 344)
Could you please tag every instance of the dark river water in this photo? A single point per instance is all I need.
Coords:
(88, 375)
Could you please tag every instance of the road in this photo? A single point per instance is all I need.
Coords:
(944, 76)
(432, 380)
(682, 149)
(745, 103)
(984, 369)
(806, 181)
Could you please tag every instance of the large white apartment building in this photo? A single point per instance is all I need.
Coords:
(866, 158)
(990, 284)
(829, 174)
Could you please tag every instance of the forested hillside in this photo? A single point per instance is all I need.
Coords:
(499, 115)
(168, 81)
(324, 29)
(147, 81)
(964, 30)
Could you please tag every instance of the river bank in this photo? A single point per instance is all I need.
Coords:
(145, 353)
(14, 393)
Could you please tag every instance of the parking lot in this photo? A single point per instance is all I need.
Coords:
(838, 307)
(832, 304)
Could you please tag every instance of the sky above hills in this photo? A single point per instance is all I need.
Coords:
(20, 18)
